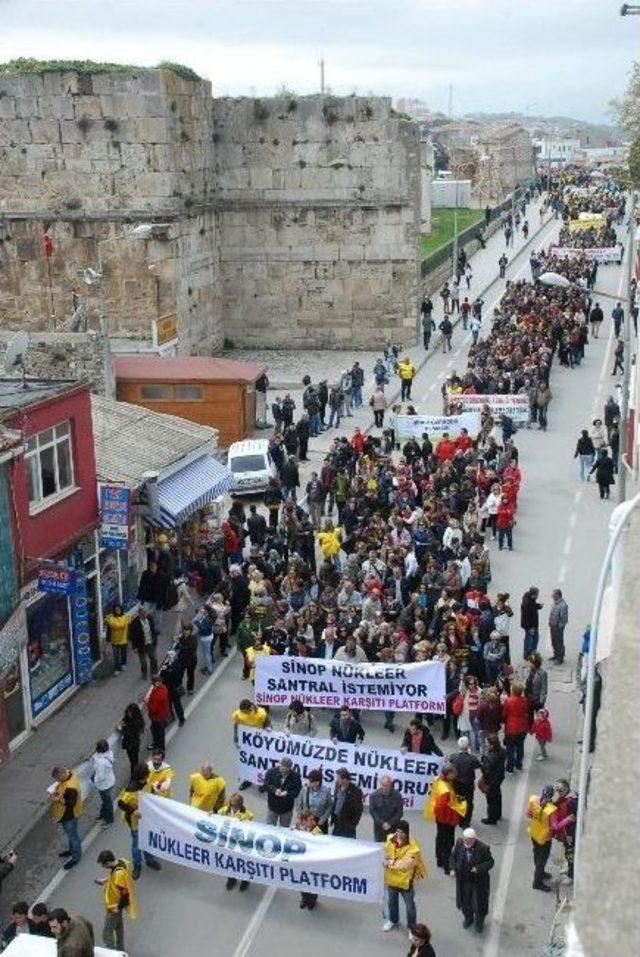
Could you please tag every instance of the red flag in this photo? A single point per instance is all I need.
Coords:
(47, 245)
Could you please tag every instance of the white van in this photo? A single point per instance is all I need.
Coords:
(252, 466)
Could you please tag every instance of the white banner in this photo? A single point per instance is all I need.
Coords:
(412, 773)
(515, 406)
(331, 684)
(414, 426)
(602, 254)
(251, 851)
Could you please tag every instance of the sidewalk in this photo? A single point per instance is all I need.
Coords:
(69, 736)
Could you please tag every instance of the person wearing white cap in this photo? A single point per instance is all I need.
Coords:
(471, 862)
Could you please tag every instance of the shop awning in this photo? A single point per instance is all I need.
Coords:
(191, 488)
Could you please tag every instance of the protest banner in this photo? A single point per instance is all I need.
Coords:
(414, 426)
(515, 406)
(601, 254)
(593, 219)
(252, 851)
(281, 679)
(412, 774)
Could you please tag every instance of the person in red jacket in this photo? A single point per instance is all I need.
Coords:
(158, 705)
(464, 441)
(515, 712)
(231, 543)
(505, 517)
(447, 809)
(357, 442)
(445, 448)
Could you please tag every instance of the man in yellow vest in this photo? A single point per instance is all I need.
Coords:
(119, 895)
(539, 811)
(206, 789)
(160, 775)
(403, 864)
(128, 802)
(252, 716)
(67, 806)
(407, 373)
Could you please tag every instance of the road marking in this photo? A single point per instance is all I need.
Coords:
(96, 830)
(573, 518)
(577, 495)
(492, 946)
(567, 545)
(255, 924)
(562, 574)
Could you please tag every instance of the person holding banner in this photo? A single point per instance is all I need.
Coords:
(317, 798)
(283, 786)
(403, 865)
(347, 806)
(236, 809)
(307, 821)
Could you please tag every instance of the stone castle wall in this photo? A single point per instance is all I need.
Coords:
(86, 158)
(290, 222)
(319, 217)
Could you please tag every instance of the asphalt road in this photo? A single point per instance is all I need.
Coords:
(559, 541)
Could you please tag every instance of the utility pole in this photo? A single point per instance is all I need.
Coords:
(626, 361)
(322, 75)
(455, 231)
(450, 101)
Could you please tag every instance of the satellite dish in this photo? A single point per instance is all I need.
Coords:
(15, 355)
(91, 276)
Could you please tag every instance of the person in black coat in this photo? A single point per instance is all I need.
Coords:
(302, 431)
(420, 937)
(419, 740)
(290, 477)
(143, 636)
(603, 467)
(131, 727)
(529, 620)
(471, 861)
(492, 764)
(239, 597)
(345, 728)
(347, 805)
(283, 785)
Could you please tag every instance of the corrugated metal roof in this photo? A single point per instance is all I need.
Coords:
(186, 368)
(130, 440)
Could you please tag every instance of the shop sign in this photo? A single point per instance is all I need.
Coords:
(57, 579)
(39, 704)
(80, 629)
(165, 329)
(115, 515)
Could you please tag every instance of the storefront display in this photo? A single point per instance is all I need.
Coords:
(49, 653)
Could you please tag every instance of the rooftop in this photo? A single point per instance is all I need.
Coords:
(130, 440)
(186, 368)
(16, 395)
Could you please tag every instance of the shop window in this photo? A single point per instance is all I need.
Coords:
(49, 463)
(11, 691)
(49, 653)
(156, 392)
(192, 393)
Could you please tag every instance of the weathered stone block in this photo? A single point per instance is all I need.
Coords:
(44, 131)
(55, 107)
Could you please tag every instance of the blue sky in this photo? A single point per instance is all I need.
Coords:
(556, 56)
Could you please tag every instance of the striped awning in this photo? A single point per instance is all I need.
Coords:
(193, 487)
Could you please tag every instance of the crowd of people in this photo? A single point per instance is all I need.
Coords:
(389, 561)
